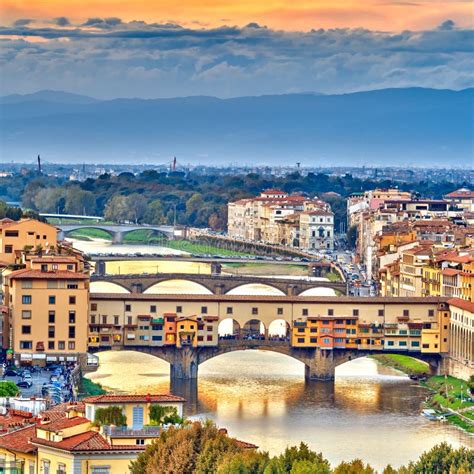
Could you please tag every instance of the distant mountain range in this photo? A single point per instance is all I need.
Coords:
(411, 126)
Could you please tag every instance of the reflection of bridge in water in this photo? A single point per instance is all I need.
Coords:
(219, 284)
(319, 364)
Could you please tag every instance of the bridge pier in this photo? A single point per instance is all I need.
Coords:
(184, 364)
(117, 237)
(321, 366)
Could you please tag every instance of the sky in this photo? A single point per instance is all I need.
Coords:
(165, 48)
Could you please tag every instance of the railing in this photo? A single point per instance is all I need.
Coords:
(125, 431)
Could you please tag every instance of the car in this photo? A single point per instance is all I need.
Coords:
(27, 377)
(10, 373)
(24, 384)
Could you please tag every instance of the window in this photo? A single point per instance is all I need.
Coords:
(402, 343)
(254, 310)
(26, 299)
(52, 299)
(61, 468)
(93, 306)
(431, 312)
(140, 442)
(426, 346)
(203, 309)
(300, 329)
(72, 300)
(61, 345)
(326, 340)
(51, 317)
(209, 337)
(229, 310)
(304, 312)
(381, 312)
(157, 338)
(153, 308)
(415, 344)
(72, 317)
(100, 470)
(116, 320)
(104, 319)
(51, 332)
(46, 463)
(157, 327)
(280, 311)
(71, 345)
(200, 338)
(26, 344)
(128, 308)
(26, 314)
(209, 328)
(313, 330)
(406, 312)
(27, 284)
(8, 248)
(11, 233)
(72, 332)
(301, 340)
(93, 319)
(26, 329)
(355, 312)
(330, 312)
(179, 309)
(313, 340)
(70, 267)
(129, 320)
(389, 343)
(51, 284)
(51, 345)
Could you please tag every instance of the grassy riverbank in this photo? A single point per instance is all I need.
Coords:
(199, 249)
(89, 388)
(406, 364)
(89, 234)
(450, 393)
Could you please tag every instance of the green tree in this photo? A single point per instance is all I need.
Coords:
(246, 462)
(8, 389)
(160, 415)
(50, 200)
(443, 458)
(137, 206)
(110, 416)
(79, 202)
(354, 467)
(154, 213)
(116, 209)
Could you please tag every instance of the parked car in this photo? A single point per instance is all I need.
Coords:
(10, 373)
(24, 384)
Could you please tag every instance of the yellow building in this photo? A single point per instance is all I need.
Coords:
(48, 311)
(26, 234)
(435, 336)
(411, 270)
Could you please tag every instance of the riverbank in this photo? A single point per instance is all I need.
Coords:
(448, 394)
(89, 388)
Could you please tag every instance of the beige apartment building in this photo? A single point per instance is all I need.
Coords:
(48, 307)
(26, 234)
(278, 218)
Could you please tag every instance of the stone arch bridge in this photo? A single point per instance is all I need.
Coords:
(319, 364)
(116, 231)
(219, 284)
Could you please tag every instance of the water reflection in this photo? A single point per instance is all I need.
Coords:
(370, 412)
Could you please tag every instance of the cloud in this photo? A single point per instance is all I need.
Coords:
(22, 22)
(61, 21)
(106, 57)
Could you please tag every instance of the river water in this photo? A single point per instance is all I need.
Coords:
(370, 412)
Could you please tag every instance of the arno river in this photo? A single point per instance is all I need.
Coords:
(370, 412)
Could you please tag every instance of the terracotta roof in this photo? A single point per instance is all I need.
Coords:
(244, 444)
(53, 259)
(88, 441)
(160, 398)
(461, 193)
(450, 272)
(62, 423)
(463, 304)
(19, 440)
(15, 419)
(28, 274)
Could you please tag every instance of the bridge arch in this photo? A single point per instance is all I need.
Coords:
(253, 329)
(178, 286)
(255, 289)
(279, 329)
(100, 286)
(318, 291)
(229, 328)
(104, 229)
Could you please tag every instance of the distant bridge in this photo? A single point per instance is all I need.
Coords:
(219, 284)
(70, 216)
(116, 231)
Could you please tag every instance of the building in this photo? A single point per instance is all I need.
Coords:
(462, 199)
(47, 311)
(277, 218)
(461, 347)
(18, 237)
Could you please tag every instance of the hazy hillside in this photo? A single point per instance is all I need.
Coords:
(412, 126)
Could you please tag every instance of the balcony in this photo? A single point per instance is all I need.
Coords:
(126, 432)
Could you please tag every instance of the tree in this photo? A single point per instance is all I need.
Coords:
(154, 213)
(302, 453)
(8, 389)
(79, 202)
(137, 205)
(246, 462)
(444, 458)
(352, 236)
(160, 415)
(354, 467)
(116, 209)
(50, 200)
(110, 416)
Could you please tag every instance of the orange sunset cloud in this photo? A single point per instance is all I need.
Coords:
(278, 14)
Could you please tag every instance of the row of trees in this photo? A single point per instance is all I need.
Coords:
(195, 199)
(202, 448)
